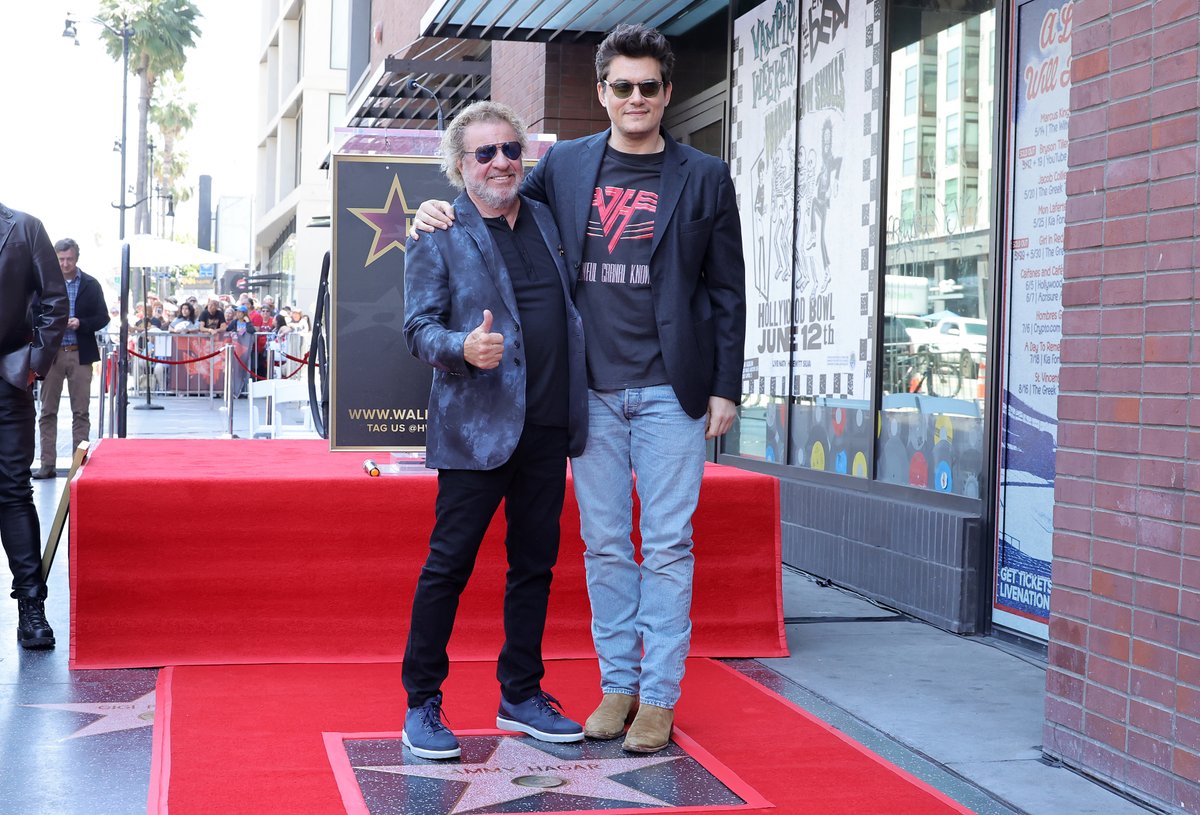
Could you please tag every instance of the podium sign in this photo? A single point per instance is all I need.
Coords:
(379, 393)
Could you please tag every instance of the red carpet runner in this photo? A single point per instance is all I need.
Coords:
(248, 739)
(188, 552)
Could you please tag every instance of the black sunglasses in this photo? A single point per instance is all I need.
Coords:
(484, 154)
(623, 88)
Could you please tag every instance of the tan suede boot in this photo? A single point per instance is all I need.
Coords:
(650, 731)
(608, 720)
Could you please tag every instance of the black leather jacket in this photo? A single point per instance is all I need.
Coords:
(33, 298)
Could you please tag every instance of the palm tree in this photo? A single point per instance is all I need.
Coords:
(173, 115)
(163, 32)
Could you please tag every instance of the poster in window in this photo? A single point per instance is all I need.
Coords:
(837, 198)
(763, 165)
(1029, 398)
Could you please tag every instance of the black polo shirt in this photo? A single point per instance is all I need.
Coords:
(542, 344)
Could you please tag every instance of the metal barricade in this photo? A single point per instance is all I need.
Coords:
(186, 364)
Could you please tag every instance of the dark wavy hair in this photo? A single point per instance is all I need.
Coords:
(634, 41)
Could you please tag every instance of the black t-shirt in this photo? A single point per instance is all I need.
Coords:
(207, 320)
(542, 342)
(613, 291)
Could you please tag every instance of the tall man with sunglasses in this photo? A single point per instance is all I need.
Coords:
(488, 305)
(652, 236)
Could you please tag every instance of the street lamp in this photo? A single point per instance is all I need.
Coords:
(71, 31)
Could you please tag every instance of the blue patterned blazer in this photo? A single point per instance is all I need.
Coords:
(450, 277)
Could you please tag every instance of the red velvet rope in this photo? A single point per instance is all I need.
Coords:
(247, 370)
(174, 361)
(301, 361)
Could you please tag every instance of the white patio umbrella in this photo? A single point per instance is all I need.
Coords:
(148, 251)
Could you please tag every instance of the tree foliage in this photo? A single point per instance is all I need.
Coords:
(163, 32)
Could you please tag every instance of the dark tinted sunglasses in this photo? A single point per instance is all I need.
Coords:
(484, 154)
(623, 89)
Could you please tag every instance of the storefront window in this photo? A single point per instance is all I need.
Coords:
(937, 273)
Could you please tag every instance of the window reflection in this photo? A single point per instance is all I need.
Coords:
(937, 238)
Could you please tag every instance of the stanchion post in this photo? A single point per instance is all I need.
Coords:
(229, 363)
(105, 377)
(114, 359)
(123, 350)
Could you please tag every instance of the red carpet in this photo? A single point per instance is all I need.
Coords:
(248, 739)
(186, 552)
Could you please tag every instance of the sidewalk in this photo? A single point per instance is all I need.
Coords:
(963, 714)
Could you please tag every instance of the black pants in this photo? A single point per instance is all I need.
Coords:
(532, 483)
(19, 529)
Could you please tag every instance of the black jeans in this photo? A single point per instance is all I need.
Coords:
(19, 528)
(532, 483)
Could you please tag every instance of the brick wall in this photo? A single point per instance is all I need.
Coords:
(1123, 686)
(553, 87)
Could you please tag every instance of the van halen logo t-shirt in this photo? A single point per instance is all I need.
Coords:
(613, 290)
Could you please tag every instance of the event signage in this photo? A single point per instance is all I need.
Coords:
(1029, 397)
(837, 198)
(766, 49)
(379, 392)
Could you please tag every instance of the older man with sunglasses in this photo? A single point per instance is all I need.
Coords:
(653, 239)
(488, 305)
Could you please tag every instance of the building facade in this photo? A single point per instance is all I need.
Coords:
(302, 69)
(971, 244)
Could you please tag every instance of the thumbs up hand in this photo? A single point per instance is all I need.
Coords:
(483, 348)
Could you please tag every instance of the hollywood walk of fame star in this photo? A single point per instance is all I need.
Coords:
(491, 782)
(390, 222)
(387, 309)
(115, 716)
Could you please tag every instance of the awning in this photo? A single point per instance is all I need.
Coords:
(456, 72)
(560, 20)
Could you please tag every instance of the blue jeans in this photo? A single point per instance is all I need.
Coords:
(641, 622)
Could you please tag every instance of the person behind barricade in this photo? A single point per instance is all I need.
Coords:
(212, 319)
(33, 316)
(240, 330)
(73, 365)
(185, 322)
(298, 321)
(265, 325)
(158, 318)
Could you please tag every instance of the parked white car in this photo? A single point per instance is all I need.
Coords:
(965, 336)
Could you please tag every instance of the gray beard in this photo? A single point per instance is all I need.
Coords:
(495, 199)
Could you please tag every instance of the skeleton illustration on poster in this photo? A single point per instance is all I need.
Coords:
(764, 161)
(836, 197)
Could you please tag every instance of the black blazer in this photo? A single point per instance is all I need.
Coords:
(92, 314)
(450, 277)
(697, 272)
(33, 298)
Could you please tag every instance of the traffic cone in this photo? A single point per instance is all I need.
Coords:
(981, 381)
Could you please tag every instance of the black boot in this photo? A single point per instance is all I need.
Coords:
(33, 631)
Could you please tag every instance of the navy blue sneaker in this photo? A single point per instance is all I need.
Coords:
(425, 734)
(541, 717)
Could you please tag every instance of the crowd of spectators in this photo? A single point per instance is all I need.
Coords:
(219, 315)
(251, 327)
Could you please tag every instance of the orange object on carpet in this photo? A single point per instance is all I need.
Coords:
(249, 739)
(186, 552)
